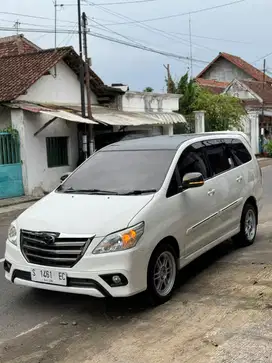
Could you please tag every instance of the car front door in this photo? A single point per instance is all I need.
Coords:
(196, 208)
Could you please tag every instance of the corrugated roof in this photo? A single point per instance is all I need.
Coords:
(121, 118)
(58, 113)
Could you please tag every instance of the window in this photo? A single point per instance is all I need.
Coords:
(192, 160)
(122, 171)
(217, 155)
(57, 151)
(238, 151)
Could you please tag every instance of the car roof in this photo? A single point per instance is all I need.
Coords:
(164, 142)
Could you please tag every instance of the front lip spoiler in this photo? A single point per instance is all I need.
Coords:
(71, 282)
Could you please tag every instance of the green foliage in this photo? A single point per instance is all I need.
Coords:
(12, 131)
(268, 148)
(148, 89)
(223, 112)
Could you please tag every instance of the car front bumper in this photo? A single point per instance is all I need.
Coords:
(87, 277)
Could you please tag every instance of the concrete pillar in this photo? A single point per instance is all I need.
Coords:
(254, 131)
(17, 122)
(168, 129)
(199, 121)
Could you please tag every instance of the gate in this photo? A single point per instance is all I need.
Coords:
(186, 128)
(11, 181)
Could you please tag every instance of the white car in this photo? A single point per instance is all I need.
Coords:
(135, 213)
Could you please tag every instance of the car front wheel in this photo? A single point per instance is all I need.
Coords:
(162, 273)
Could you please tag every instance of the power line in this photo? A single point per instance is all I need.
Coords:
(212, 38)
(153, 29)
(179, 14)
(113, 3)
(261, 58)
(114, 40)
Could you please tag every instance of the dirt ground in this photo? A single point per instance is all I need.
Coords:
(221, 312)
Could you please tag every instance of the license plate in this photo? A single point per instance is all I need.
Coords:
(49, 276)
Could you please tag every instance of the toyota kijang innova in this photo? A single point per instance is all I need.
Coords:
(135, 213)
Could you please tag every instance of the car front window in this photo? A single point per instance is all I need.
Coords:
(121, 172)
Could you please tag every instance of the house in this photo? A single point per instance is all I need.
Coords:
(227, 67)
(257, 100)
(232, 75)
(40, 99)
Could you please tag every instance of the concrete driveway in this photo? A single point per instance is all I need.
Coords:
(221, 312)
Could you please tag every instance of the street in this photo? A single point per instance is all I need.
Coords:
(221, 312)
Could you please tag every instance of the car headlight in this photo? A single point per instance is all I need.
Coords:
(120, 241)
(12, 234)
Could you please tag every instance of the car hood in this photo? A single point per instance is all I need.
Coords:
(82, 214)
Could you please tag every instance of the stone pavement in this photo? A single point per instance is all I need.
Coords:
(19, 200)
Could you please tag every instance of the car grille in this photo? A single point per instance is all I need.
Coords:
(63, 252)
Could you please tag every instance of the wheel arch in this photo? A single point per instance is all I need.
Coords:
(252, 200)
(170, 240)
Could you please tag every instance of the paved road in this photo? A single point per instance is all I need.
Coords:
(221, 312)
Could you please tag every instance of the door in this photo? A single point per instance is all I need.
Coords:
(230, 183)
(238, 179)
(195, 208)
(11, 181)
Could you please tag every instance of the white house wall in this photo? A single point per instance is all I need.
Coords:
(37, 176)
(224, 71)
(241, 92)
(149, 102)
(63, 89)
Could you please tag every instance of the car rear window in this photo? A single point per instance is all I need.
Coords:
(238, 151)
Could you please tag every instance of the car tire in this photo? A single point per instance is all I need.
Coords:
(248, 226)
(161, 275)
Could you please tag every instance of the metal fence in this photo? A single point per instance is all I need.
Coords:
(9, 149)
(186, 128)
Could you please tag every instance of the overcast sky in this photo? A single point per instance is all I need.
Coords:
(246, 25)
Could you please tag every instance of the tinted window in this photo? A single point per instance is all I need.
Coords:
(238, 151)
(193, 160)
(217, 155)
(122, 171)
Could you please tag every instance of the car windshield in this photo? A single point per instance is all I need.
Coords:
(121, 172)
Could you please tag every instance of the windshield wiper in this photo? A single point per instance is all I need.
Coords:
(89, 191)
(140, 191)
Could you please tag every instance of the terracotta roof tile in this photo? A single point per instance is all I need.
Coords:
(16, 44)
(19, 72)
(212, 85)
(263, 90)
(253, 72)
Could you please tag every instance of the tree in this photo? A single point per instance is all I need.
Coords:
(148, 89)
(222, 112)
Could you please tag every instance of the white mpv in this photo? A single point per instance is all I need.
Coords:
(135, 213)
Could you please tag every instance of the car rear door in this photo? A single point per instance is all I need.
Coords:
(229, 185)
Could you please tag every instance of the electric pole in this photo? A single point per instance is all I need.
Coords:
(191, 49)
(81, 70)
(264, 80)
(87, 79)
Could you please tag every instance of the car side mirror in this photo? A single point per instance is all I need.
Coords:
(64, 176)
(192, 180)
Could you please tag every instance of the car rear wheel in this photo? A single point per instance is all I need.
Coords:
(162, 273)
(248, 226)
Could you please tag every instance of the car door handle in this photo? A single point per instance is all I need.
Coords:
(211, 192)
(239, 179)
